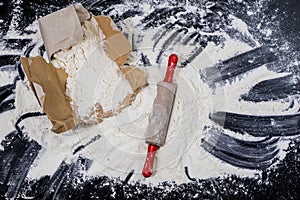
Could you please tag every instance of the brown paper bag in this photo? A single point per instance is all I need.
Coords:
(59, 35)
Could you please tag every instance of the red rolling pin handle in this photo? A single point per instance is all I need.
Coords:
(148, 166)
(152, 149)
(173, 58)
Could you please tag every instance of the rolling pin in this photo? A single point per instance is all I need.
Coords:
(157, 129)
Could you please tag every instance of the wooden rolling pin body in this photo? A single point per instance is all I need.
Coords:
(159, 120)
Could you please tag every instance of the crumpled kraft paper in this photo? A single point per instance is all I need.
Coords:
(53, 80)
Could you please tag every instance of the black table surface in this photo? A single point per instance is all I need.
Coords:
(281, 181)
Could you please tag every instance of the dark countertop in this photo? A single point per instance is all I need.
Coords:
(281, 180)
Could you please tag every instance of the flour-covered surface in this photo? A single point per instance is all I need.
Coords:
(234, 131)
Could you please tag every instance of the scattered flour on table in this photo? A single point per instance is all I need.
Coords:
(122, 148)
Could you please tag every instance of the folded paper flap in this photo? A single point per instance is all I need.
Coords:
(62, 29)
(82, 13)
(135, 76)
(105, 24)
(117, 46)
(62, 125)
(53, 81)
